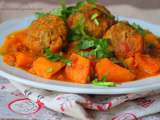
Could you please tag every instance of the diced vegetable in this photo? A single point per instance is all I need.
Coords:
(45, 68)
(147, 64)
(114, 72)
(79, 71)
(23, 60)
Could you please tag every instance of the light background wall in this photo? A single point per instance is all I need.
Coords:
(148, 10)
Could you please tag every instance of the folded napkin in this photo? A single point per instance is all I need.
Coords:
(83, 107)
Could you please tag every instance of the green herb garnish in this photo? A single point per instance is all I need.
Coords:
(96, 22)
(51, 56)
(84, 54)
(103, 83)
(110, 16)
(56, 57)
(68, 10)
(94, 18)
(99, 46)
(41, 14)
(77, 32)
(64, 11)
(91, 1)
(57, 12)
(139, 29)
(85, 43)
(79, 28)
(104, 78)
(66, 61)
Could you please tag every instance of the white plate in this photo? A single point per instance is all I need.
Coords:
(23, 77)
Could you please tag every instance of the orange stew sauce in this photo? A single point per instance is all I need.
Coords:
(81, 70)
(17, 54)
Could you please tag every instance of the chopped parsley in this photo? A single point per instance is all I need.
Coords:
(104, 78)
(64, 11)
(56, 57)
(78, 30)
(110, 16)
(91, 1)
(66, 61)
(103, 82)
(51, 56)
(99, 47)
(85, 43)
(84, 54)
(94, 18)
(41, 14)
(57, 12)
(72, 9)
(96, 82)
(139, 29)
(96, 22)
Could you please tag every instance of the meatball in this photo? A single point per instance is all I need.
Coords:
(125, 40)
(104, 18)
(46, 32)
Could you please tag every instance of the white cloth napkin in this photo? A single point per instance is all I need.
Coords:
(127, 107)
(63, 106)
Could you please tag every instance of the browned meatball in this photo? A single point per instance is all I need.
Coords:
(46, 32)
(103, 16)
(126, 41)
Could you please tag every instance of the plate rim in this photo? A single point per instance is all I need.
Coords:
(69, 89)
